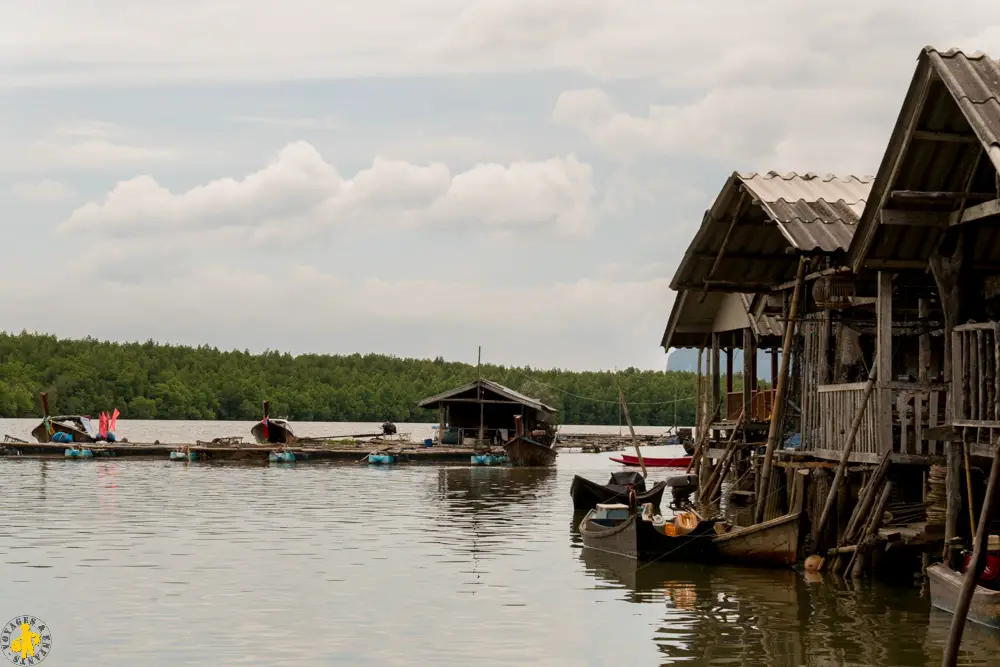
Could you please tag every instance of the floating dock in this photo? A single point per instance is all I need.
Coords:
(250, 453)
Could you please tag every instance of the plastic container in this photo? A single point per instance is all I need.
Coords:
(428, 442)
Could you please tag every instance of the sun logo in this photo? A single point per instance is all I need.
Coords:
(25, 640)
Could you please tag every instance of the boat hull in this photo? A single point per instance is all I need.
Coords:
(525, 452)
(40, 433)
(587, 494)
(678, 462)
(945, 586)
(638, 539)
(276, 434)
(773, 543)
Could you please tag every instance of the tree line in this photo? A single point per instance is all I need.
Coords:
(153, 381)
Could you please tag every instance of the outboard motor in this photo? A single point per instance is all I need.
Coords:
(681, 487)
(388, 428)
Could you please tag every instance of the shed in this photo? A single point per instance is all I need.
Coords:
(488, 405)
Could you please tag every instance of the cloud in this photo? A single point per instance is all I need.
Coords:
(82, 145)
(815, 128)
(43, 191)
(299, 194)
(574, 324)
(685, 43)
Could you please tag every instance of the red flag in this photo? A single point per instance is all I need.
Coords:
(114, 420)
(104, 425)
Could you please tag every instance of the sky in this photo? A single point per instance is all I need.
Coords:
(417, 178)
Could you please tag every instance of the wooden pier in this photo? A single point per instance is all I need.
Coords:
(249, 453)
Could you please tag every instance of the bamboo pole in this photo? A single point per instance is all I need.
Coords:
(725, 462)
(968, 488)
(702, 440)
(777, 413)
(628, 420)
(871, 530)
(950, 658)
(852, 437)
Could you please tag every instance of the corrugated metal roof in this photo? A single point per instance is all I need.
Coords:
(494, 387)
(787, 212)
(815, 212)
(691, 322)
(951, 92)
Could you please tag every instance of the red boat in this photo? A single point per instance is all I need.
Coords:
(679, 462)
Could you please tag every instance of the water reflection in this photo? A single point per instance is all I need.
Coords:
(749, 617)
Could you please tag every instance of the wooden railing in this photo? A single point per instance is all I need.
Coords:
(761, 404)
(914, 408)
(975, 350)
(838, 404)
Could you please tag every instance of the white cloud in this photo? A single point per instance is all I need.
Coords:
(43, 191)
(335, 313)
(683, 42)
(808, 129)
(81, 146)
(299, 193)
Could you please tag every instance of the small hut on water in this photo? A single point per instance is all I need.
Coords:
(879, 299)
(484, 411)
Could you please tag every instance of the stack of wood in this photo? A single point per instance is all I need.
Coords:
(902, 513)
(937, 501)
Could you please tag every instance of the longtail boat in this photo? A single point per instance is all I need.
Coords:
(676, 462)
(587, 494)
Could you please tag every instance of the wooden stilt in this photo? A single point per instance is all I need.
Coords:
(950, 657)
(871, 530)
(953, 495)
(722, 468)
(781, 392)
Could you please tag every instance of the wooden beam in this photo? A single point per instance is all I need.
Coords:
(883, 335)
(978, 212)
(937, 195)
(881, 264)
(812, 276)
(954, 137)
(909, 218)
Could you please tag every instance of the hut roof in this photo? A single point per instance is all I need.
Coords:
(941, 161)
(491, 387)
(691, 322)
(764, 221)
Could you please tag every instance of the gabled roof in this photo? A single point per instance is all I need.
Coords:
(945, 141)
(691, 321)
(490, 386)
(777, 216)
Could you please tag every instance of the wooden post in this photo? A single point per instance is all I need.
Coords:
(479, 368)
(968, 488)
(698, 408)
(716, 371)
(852, 437)
(635, 443)
(267, 409)
(702, 443)
(720, 471)
(883, 413)
(923, 377)
(871, 530)
(950, 657)
(441, 423)
(749, 378)
(946, 271)
(773, 433)
(953, 493)
(729, 370)
(867, 499)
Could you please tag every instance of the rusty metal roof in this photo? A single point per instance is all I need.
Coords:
(777, 216)
(490, 386)
(951, 94)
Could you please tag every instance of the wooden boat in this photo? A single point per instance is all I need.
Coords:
(945, 585)
(615, 529)
(76, 426)
(522, 451)
(628, 460)
(273, 431)
(773, 543)
(586, 494)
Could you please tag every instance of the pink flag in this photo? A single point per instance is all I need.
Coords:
(114, 420)
(104, 425)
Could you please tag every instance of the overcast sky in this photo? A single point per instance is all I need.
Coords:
(416, 178)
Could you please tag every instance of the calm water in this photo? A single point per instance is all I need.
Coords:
(159, 563)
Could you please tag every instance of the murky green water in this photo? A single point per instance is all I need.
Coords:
(159, 563)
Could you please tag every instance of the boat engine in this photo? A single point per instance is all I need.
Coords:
(388, 428)
(682, 486)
